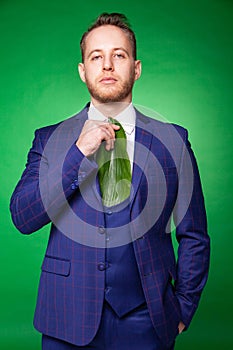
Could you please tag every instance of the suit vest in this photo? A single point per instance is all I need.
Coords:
(123, 288)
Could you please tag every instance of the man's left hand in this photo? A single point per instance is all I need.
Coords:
(181, 327)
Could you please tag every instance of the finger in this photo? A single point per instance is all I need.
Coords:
(107, 133)
(115, 127)
(111, 130)
(109, 137)
(109, 145)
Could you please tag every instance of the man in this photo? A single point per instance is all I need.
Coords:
(109, 277)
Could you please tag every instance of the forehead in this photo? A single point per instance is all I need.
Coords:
(107, 37)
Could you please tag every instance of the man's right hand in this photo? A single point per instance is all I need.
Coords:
(94, 132)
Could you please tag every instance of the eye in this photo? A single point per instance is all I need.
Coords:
(96, 57)
(119, 55)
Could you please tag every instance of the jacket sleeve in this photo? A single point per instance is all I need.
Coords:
(47, 183)
(192, 236)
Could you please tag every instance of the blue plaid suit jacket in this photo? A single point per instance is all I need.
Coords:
(59, 185)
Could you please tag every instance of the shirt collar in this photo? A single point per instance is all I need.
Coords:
(127, 117)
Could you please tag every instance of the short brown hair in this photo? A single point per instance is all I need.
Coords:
(115, 19)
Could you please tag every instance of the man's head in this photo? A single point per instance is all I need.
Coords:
(109, 66)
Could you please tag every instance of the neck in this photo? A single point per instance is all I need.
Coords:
(111, 108)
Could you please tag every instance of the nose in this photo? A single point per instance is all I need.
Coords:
(108, 64)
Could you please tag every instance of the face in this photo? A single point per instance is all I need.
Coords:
(109, 69)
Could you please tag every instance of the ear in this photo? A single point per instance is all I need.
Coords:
(81, 70)
(137, 69)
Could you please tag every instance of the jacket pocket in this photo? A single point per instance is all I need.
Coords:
(56, 265)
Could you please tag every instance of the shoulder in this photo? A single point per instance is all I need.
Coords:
(158, 127)
(62, 126)
(48, 129)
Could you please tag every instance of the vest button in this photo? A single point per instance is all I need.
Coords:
(102, 266)
(101, 229)
(109, 212)
(107, 289)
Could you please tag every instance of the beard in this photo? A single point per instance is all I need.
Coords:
(109, 93)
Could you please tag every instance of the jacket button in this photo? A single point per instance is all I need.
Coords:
(101, 229)
(74, 184)
(102, 266)
(81, 176)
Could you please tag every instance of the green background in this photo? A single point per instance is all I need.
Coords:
(187, 54)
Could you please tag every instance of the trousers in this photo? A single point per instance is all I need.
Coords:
(133, 331)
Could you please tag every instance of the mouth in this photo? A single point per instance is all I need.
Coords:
(108, 80)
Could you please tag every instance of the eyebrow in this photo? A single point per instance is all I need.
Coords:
(115, 49)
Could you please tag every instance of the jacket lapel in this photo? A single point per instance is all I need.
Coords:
(142, 146)
(78, 122)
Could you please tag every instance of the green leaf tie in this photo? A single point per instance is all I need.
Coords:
(114, 169)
